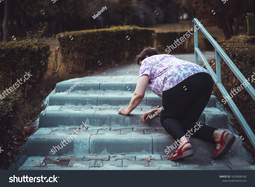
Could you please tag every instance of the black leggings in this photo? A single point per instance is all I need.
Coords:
(183, 105)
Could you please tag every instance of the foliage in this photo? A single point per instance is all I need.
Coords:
(19, 108)
(223, 13)
(18, 57)
(70, 15)
(90, 49)
(240, 50)
(165, 39)
(187, 5)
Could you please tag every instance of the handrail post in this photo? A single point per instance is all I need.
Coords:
(218, 68)
(195, 42)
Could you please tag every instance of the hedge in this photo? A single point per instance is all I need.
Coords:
(16, 58)
(89, 49)
(164, 39)
(240, 50)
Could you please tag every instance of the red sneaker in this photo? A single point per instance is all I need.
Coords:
(225, 145)
(178, 154)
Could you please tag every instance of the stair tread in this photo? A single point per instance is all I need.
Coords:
(99, 83)
(113, 140)
(102, 115)
(83, 108)
(96, 79)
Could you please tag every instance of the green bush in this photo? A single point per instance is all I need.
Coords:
(89, 49)
(240, 50)
(9, 117)
(164, 39)
(16, 58)
(207, 45)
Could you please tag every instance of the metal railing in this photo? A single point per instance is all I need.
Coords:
(219, 53)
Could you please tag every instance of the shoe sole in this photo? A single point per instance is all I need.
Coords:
(185, 154)
(230, 139)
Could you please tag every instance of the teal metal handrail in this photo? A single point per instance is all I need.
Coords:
(217, 77)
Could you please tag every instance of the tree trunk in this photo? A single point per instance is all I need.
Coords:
(33, 26)
(23, 21)
(182, 13)
(49, 26)
(237, 26)
(60, 26)
(192, 14)
(12, 24)
(225, 26)
(5, 22)
(18, 22)
(229, 24)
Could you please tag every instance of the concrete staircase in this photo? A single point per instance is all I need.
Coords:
(106, 140)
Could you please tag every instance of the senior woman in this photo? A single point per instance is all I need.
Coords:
(185, 89)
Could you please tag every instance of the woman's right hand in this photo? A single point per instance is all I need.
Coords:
(146, 115)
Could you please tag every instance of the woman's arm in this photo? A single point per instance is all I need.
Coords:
(147, 115)
(138, 95)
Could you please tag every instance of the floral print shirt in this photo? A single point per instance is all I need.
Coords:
(166, 71)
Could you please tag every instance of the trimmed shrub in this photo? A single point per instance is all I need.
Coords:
(207, 45)
(240, 50)
(88, 49)
(9, 117)
(164, 39)
(16, 58)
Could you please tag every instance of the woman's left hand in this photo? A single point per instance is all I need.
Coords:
(123, 111)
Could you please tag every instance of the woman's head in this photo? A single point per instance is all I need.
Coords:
(147, 52)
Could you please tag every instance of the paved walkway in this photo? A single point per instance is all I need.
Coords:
(133, 68)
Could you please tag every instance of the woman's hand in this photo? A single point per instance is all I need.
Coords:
(123, 111)
(146, 115)
(138, 95)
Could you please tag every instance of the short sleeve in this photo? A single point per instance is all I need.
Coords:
(145, 69)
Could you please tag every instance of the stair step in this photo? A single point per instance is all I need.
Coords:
(133, 162)
(115, 140)
(100, 116)
(116, 98)
(101, 98)
(121, 83)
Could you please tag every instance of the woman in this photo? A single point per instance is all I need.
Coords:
(185, 89)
